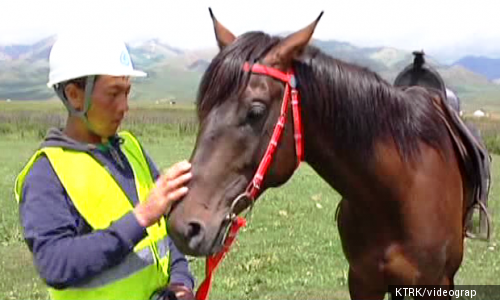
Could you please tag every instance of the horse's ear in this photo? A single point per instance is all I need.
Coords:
(222, 34)
(291, 46)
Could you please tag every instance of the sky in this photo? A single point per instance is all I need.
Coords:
(446, 29)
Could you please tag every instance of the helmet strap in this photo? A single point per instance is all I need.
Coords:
(89, 88)
(82, 114)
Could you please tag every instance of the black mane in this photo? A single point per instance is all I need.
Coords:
(359, 107)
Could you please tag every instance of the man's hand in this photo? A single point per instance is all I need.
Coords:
(175, 292)
(169, 188)
(181, 292)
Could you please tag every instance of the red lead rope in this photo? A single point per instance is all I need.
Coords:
(213, 260)
(253, 188)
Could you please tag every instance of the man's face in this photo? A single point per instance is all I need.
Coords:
(109, 104)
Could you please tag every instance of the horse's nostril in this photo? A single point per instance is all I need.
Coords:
(194, 229)
(195, 234)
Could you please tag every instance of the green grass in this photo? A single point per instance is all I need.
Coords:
(487, 98)
(290, 249)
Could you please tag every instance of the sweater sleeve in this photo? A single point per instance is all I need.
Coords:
(62, 256)
(179, 272)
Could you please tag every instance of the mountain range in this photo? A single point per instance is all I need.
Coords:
(174, 73)
(489, 67)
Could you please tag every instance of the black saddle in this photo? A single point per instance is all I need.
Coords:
(421, 74)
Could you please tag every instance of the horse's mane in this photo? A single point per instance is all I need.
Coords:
(359, 106)
(355, 104)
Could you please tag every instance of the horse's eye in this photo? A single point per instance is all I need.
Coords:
(256, 111)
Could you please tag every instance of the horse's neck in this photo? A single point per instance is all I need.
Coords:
(320, 153)
(338, 165)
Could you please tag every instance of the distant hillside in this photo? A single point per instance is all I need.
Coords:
(24, 71)
(350, 53)
(489, 67)
(460, 76)
(37, 51)
(388, 62)
(174, 73)
(22, 79)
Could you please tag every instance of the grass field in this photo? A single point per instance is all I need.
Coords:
(290, 250)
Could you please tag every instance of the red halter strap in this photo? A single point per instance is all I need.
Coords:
(254, 186)
(290, 90)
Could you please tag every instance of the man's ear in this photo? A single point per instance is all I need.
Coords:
(75, 96)
(291, 47)
(223, 36)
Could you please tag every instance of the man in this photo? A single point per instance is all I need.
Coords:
(92, 203)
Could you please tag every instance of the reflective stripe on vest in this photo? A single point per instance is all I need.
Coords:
(101, 201)
(134, 262)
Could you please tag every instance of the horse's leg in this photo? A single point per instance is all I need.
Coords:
(360, 291)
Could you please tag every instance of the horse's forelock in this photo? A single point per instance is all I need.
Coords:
(224, 77)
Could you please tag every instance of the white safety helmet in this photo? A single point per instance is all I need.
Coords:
(79, 55)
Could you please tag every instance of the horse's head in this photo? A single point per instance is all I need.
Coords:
(238, 110)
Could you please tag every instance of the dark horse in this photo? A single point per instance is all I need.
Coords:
(397, 157)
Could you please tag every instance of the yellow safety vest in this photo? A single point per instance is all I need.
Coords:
(101, 201)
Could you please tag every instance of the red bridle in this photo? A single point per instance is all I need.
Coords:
(253, 189)
(290, 89)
